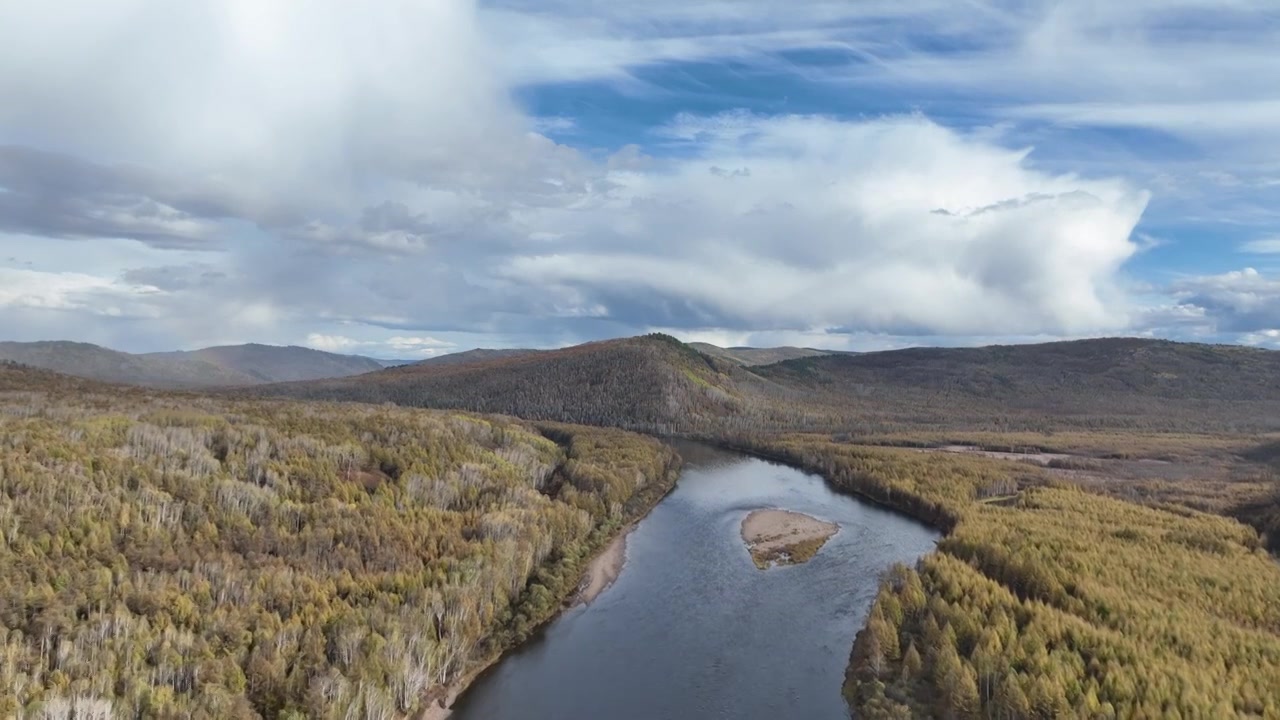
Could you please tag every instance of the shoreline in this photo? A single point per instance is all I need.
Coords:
(435, 711)
(603, 569)
(934, 518)
(599, 575)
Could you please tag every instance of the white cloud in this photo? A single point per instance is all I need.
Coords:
(1241, 301)
(374, 187)
(1262, 246)
(1270, 336)
(398, 346)
(72, 291)
(417, 344)
(320, 102)
(888, 225)
(332, 343)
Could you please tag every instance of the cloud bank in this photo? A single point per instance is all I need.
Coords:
(363, 179)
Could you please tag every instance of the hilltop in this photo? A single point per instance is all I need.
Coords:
(653, 383)
(224, 366)
(273, 363)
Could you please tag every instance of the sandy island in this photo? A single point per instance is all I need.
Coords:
(782, 537)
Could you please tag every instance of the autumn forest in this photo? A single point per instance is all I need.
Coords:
(361, 547)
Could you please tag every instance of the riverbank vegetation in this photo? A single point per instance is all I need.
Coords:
(1054, 601)
(166, 556)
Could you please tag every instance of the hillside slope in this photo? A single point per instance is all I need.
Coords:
(653, 383)
(272, 363)
(224, 366)
(1106, 382)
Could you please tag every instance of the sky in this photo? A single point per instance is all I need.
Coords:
(402, 178)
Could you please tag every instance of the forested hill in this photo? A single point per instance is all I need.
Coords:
(224, 366)
(1103, 382)
(1077, 369)
(175, 556)
(656, 383)
(272, 363)
(653, 383)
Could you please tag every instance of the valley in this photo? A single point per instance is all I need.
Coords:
(1088, 494)
(665, 360)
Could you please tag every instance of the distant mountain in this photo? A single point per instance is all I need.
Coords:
(477, 355)
(750, 356)
(272, 363)
(99, 363)
(659, 384)
(226, 366)
(1080, 371)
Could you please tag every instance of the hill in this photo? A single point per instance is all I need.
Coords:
(657, 383)
(210, 367)
(750, 356)
(272, 363)
(654, 383)
(1122, 382)
(99, 363)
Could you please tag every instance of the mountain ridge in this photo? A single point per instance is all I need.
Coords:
(219, 366)
(660, 384)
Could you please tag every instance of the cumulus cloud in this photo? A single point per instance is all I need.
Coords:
(1269, 337)
(1240, 301)
(894, 225)
(398, 346)
(69, 291)
(1262, 246)
(50, 194)
(366, 167)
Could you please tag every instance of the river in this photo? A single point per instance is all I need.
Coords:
(692, 629)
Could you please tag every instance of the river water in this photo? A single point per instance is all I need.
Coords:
(692, 629)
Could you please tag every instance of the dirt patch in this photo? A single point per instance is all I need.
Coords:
(782, 537)
(1039, 458)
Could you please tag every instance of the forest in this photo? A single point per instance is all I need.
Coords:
(657, 384)
(1048, 600)
(167, 555)
(1108, 507)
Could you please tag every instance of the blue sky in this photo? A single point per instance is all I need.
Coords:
(411, 178)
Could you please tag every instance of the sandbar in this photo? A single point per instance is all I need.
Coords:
(782, 537)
